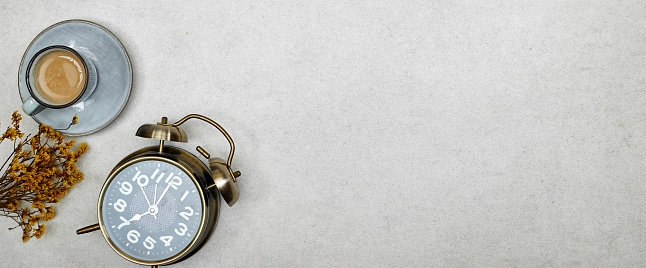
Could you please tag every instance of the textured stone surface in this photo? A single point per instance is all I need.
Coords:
(376, 133)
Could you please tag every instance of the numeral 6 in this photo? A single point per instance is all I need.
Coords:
(133, 236)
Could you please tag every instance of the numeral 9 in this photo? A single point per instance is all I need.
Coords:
(126, 188)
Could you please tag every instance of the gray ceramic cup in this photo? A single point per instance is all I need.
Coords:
(36, 103)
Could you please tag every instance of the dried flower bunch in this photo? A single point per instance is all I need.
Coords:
(39, 172)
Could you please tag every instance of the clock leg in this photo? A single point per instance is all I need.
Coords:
(88, 229)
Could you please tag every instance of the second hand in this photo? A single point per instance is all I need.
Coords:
(155, 197)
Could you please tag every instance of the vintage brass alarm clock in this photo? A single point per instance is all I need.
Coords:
(160, 204)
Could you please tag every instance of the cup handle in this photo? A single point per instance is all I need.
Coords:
(31, 107)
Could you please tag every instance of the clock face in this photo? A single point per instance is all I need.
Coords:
(151, 210)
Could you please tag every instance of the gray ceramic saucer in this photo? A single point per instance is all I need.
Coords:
(114, 76)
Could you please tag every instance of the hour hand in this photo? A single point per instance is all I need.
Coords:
(137, 217)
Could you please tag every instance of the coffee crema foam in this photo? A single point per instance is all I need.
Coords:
(60, 77)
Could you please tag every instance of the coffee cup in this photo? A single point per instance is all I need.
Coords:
(58, 77)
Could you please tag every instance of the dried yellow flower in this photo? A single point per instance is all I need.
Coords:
(40, 231)
(75, 120)
(38, 172)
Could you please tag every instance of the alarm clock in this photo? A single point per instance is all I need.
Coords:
(160, 204)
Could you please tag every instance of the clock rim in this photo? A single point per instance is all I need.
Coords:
(188, 249)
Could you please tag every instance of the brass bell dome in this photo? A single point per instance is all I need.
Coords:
(162, 132)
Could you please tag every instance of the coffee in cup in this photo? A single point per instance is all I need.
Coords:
(57, 77)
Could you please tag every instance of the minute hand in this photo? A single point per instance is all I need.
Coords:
(164, 192)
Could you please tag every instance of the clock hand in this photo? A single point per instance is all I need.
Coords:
(155, 198)
(149, 205)
(164, 192)
(138, 216)
(142, 190)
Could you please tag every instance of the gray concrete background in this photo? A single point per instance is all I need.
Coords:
(376, 133)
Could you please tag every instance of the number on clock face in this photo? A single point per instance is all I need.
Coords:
(151, 210)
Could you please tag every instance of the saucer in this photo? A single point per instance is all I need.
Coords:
(114, 76)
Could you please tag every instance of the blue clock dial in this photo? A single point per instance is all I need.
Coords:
(151, 210)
